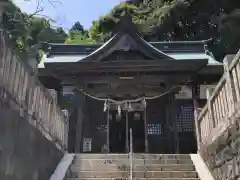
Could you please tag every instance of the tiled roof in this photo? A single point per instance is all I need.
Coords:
(176, 56)
(166, 47)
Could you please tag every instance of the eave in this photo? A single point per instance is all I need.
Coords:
(61, 49)
(164, 66)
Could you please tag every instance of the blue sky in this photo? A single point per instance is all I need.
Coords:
(66, 12)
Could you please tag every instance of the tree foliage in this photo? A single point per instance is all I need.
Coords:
(78, 35)
(77, 26)
(26, 31)
(179, 20)
(156, 20)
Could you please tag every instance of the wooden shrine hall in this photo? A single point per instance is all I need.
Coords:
(129, 83)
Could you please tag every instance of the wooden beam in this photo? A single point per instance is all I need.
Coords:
(141, 79)
(128, 66)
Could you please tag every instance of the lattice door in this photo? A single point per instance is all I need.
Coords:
(95, 125)
(186, 127)
(158, 131)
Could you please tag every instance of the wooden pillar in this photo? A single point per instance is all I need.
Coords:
(127, 133)
(173, 106)
(108, 127)
(79, 123)
(146, 129)
(168, 130)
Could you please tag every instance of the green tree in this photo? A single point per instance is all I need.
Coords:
(229, 29)
(174, 20)
(16, 24)
(79, 38)
(26, 30)
(77, 26)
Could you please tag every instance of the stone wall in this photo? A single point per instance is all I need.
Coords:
(33, 128)
(223, 155)
(25, 154)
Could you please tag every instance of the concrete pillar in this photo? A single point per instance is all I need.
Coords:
(3, 4)
(66, 128)
(195, 97)
(32, 59)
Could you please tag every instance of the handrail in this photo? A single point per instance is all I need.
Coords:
(131, 155)
(145, 168)
(216, 115)
(62, 169)
(23, 92)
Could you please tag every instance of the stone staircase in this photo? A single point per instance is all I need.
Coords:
(145, 166)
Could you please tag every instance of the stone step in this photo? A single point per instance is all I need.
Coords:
(135, 161)
(135, 156)
(136, 174)
(149, 167)
(119, 178)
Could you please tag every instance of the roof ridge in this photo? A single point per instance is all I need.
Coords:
(151, 42)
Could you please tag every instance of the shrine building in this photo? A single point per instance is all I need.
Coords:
(128, 83)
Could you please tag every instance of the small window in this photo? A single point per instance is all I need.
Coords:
(102, 128)
(87, 145)
(155, 129)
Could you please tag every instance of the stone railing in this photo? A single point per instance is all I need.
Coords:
(218, 125)
(222, 106)
(20, 90)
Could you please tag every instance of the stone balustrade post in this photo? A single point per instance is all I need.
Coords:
(229, 80)
(66, 128)
(210, 109)
(3, 4)
(196, 113)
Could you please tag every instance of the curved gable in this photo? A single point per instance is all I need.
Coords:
(126, 40)
(127, 43)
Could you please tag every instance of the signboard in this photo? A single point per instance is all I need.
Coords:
(87, 144)
(66, 90)
(204, 88)
(184, 93)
